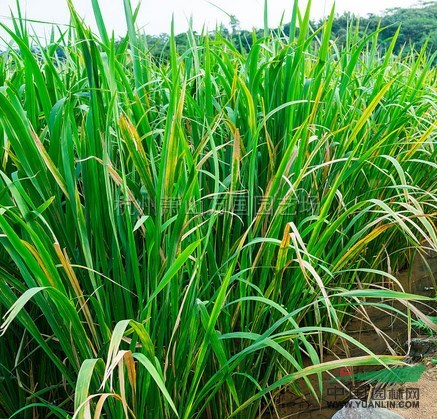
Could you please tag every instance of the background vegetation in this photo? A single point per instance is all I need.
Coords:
(187, 237)
(418, 26)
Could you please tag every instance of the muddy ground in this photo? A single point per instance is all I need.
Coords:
(389, 336)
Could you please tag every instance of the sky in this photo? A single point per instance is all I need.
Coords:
(155, 15)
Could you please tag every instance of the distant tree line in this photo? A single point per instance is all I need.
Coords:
(418, 25)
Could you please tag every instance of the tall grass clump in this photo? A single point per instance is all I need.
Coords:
(183, 237)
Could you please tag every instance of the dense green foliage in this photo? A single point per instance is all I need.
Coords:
(418, 27)
(182, 237)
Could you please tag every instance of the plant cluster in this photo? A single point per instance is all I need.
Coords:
(192, 305)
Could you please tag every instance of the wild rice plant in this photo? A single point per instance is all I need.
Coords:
(180, 238)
